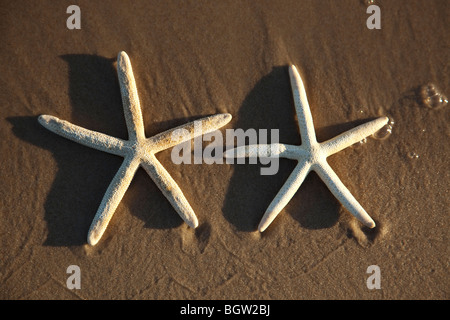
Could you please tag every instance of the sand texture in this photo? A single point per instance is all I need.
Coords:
(193, 59)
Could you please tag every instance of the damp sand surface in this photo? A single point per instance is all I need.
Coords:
(194, 59)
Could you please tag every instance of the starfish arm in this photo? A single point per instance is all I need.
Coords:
(285, 194)
(188, 131)
(89, 138)
(340, 191)
(304, 117)
(130, 98)
(265, 151)
(354, 135)
(170, 189)
(256, 150)
(112, 198)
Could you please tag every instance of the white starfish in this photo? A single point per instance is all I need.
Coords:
(311, 155)
(137, 151)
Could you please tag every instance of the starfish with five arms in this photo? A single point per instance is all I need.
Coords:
(137, 151)
(311, 155)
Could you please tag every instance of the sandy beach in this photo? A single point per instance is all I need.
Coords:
(192, 59)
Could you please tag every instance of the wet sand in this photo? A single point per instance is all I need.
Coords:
(197, 58)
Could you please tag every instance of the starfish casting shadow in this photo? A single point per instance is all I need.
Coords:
(137, 151)
(311, 156)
